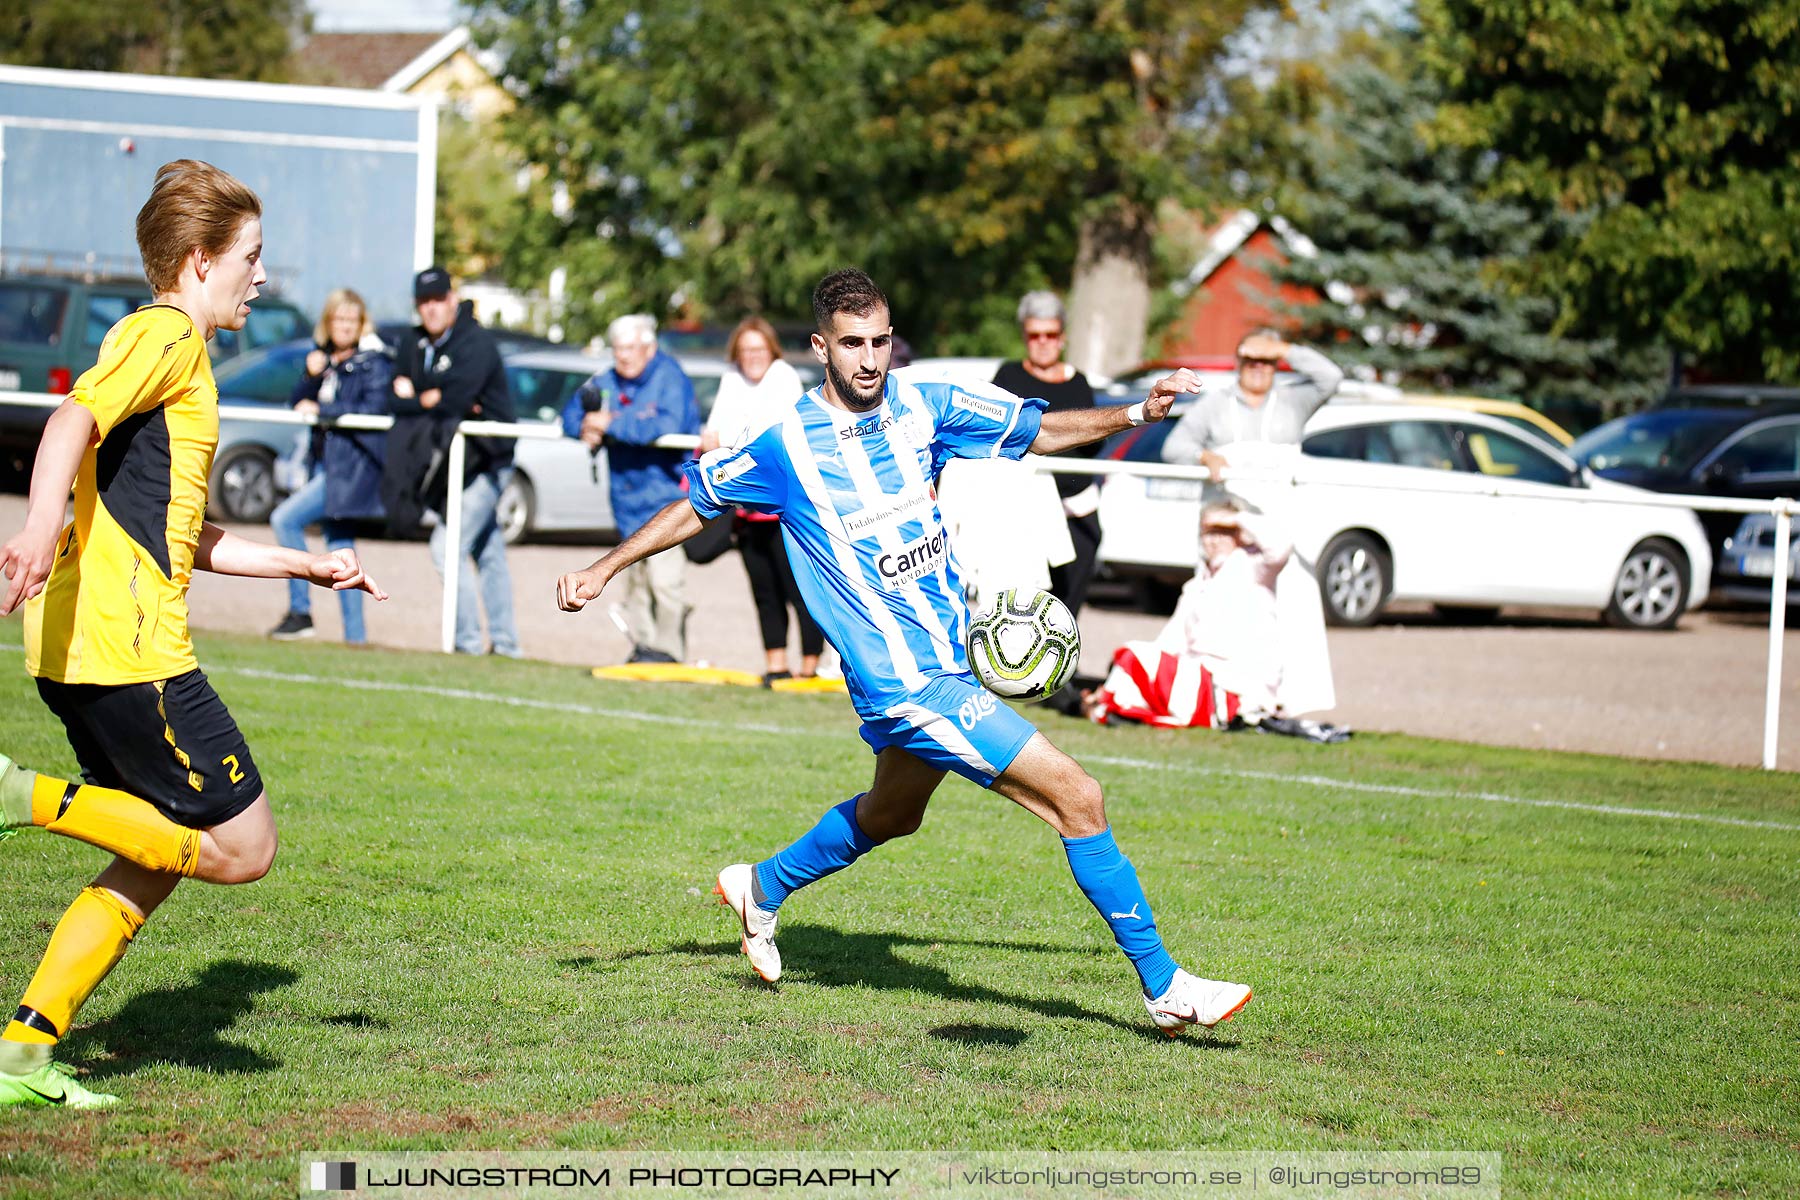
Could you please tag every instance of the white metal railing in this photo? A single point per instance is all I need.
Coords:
(1783, 510)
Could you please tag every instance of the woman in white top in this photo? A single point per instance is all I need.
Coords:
(751, 396)
(755, 390)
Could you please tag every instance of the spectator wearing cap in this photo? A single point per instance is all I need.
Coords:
(449, 369)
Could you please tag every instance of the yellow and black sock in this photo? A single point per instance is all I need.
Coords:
(89, 941)
(116, 821)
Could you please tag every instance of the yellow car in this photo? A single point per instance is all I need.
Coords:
(1506, 410)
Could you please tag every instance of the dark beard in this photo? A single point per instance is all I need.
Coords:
(849, 394)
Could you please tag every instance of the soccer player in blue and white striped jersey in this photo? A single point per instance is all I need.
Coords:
(850, 469)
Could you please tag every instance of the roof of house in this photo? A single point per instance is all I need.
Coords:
(392, 61)
(1230, 235)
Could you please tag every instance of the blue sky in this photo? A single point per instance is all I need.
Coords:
(338, 16)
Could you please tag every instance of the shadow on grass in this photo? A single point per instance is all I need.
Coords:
(183, 1025)
(832, 958)
(979, 1035)
(355, 1020)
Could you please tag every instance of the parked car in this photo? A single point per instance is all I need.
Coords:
(50, 332)
(1746, 452)
(1509, 528)
(272, 321)
(1747, 568)
(51, 327)
(1731, 395)
(1525, 417)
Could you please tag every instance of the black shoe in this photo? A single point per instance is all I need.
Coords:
(644, 654)
(293, 626)
(770, 677)
(1300, 727)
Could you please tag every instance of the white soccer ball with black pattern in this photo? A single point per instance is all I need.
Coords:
(1026, 646)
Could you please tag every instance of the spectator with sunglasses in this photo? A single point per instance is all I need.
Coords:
(1044, 374)
(1255, 413)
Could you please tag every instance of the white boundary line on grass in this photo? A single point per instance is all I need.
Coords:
(582, 710)
(1397, 789)
(1320, 781)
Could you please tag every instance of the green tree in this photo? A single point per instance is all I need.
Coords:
(1672, 127)
(1052, 133)
(477, 192)
(730, 155)
(1412, 252)
(207, 39)
(684, 150)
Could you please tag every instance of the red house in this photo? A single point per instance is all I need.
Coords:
(1228, 288)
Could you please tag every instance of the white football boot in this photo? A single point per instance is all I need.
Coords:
(735, 891)
(1194, 1001)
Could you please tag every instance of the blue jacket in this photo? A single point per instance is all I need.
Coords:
(352, 459)
(660, 401)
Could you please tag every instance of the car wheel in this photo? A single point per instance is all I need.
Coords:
(1355, 577)
(1467, 614)
(243, 485)
(517, 509)
(1651, 590)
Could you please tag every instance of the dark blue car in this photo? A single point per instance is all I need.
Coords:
(1749, 453)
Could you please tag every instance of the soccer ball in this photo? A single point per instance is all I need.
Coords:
(1026, 646)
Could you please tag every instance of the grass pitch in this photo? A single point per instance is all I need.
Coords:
(490, 927)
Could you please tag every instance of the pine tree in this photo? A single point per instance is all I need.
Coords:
(1413, 250)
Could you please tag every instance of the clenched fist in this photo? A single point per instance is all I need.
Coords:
(575, 589)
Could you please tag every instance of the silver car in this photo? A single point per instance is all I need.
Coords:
(1747, 567)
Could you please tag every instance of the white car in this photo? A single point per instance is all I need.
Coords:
(557, 485)
(1509, 527)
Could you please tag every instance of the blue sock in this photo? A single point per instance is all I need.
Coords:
(831, 845)
(1109, 881)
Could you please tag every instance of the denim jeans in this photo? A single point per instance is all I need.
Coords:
(289, 521)
(484, 547)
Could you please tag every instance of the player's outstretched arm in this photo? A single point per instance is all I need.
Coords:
(225, 553)
(1065, 430)
(26, 559)
(675, 524)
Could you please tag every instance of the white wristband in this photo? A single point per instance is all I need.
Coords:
(1135, 414)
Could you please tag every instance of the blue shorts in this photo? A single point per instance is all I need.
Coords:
(954, 724)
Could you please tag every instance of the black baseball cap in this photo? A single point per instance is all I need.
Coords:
(431, 283)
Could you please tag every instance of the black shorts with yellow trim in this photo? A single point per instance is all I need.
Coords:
(171, 742)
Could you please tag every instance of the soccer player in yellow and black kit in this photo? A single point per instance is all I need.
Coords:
(168, 785)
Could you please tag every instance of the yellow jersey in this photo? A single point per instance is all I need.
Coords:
(114, 609)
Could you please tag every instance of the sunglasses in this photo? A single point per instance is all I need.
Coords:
(1256, 362)
(1041, 336)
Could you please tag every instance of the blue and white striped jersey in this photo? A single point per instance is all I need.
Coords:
(857, 499)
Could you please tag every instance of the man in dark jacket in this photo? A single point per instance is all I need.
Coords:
(449, 369)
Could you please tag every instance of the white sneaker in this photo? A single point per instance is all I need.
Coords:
(736, 892)
(1194, 1001)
